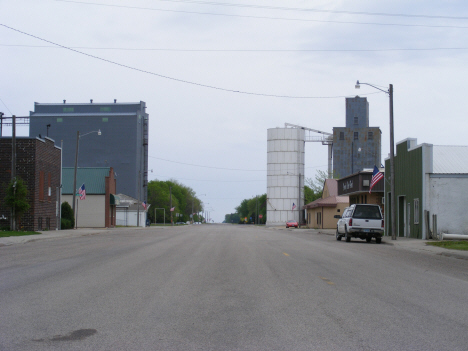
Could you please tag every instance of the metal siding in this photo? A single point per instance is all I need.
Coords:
(93, 178)
(119, 146)
(408, 183)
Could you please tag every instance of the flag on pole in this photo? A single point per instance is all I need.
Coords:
(144, 204)
(172, 209)
(294, 206)
(82, 192)
(376, 176)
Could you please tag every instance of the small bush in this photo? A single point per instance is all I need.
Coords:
(66, 224)
(67, 216)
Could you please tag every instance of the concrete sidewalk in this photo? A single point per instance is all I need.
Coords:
(411, 244)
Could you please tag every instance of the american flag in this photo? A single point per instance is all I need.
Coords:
(376, 176)
(82, 192)
(144, 204)
(172, 209)
(294, 206)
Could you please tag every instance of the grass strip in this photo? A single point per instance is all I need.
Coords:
(452, 245)
(6, 233)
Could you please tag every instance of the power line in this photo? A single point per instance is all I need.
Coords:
(234, 50)
(272, 18)
(176, 79)
(6, 107)
(222, 168)
(213, 180)
(313, 10)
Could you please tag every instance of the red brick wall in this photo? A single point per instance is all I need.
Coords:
(32, 156)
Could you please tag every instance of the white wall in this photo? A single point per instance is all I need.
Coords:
(129, 218)
(91, 211)
(448, 197)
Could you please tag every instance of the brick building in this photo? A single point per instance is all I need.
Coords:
(38, 164)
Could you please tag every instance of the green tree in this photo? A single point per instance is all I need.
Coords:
(182, 199)
(16, 198)
(248, 208)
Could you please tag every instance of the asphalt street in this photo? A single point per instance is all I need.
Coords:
(229, 287)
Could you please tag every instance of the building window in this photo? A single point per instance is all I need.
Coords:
(341, 135)
(370, 135)
(59, 120)
(49, 189)
(356, 120)
(356, 135)
(105, 109)
(416, 211)
(105, 119)
(319, 218)
(41, 185)
(68, 109)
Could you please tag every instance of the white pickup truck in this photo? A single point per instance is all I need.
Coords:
(361, 221)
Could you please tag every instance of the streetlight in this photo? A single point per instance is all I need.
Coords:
(392, 155)
(78, 136)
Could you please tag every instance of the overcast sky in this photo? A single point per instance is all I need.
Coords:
(216, 75)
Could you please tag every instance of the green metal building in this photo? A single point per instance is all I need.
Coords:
(431, 189)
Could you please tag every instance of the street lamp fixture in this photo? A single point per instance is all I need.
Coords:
(78, 136)
(389, 92)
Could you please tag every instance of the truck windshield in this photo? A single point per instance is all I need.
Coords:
(369, 212)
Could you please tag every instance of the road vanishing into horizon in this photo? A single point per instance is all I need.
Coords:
(229, 287)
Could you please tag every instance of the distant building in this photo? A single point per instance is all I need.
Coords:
(123, 142)
(357, 186)
(321, 212)
(38, 165)
(356, 146)
(431, 188)
(98, 209)
(128, 211)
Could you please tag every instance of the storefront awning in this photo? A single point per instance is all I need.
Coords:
(114, 200)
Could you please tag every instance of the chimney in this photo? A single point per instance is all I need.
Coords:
(64, 101)
(91, 100)
(115, 101)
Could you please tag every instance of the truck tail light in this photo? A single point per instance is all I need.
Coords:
(382, 223)
(350, 223)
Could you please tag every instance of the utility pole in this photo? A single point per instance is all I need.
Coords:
(139, 196)
(170, 204)
(299, 201)
(76, 167)
(392, 165)
(13, 167)
(256, 215)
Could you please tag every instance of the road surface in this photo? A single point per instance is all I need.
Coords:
(229, 287)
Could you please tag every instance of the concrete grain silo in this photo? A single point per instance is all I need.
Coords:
(285, 174)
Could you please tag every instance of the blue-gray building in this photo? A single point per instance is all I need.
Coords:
(356, 146)
(122, 144)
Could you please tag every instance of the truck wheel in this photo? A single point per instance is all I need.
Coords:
(338, 236)
(378, 240)
(347, 236)
(368, 239)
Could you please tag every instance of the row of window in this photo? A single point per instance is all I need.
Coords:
(101, 109)
(370, 136)
(104, 119)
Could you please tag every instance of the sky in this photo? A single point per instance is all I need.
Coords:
(215, 75)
